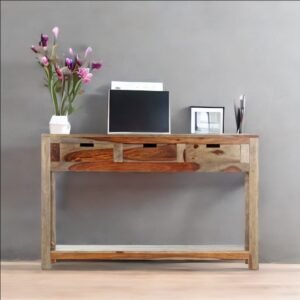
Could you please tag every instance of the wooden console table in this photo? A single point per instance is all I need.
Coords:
(148, 153)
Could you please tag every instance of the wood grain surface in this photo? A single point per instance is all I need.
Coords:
(226, 139)
(135, 167)
(148, 252)
(149, 154)
(45, 202)
(153, 280)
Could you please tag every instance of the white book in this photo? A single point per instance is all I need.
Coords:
(140, 86)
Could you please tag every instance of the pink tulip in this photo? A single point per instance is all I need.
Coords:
(44, 61)
(84, 74)
(71, 52)
(78, 60)
(87, 51)
(34, 49)
(59, 73)
(55, 31)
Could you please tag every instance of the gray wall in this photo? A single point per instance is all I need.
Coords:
(206, 53)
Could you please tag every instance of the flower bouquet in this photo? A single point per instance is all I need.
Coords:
(64, 78)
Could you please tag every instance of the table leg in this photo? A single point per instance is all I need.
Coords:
(45, 204)
(246, 188)
(53, 213)
(253, 204)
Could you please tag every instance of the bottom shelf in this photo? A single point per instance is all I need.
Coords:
(147, 252)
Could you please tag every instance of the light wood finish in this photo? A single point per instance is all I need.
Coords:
(45, 203)
(203, 154)
(149, 281)
(180, 152)
(53, 215)
(150, 153)
(246, 192)
(118, 153)
(53, 211)
(253, 204)
(55, 152)
(244, 153)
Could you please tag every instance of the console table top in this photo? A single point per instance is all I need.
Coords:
(154, 138)
(175, 135)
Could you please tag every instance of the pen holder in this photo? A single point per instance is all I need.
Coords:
(240, 127)
(239, 111)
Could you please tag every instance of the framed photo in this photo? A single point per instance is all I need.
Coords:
(207, 120)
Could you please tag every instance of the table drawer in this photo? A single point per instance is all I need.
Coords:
(86, 152)
(212, 153)
(150, 152)
(108, 152)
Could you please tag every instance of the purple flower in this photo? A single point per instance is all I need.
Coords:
(85, 75)
(96, 65)
(44, 40)
(69, 63)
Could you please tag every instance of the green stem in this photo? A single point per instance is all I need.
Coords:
(51, 87)
(62, 89)
(74, 92)
(54, 96)
(66, 95)
(77, 88)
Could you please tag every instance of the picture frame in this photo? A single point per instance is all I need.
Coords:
(207, 119)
